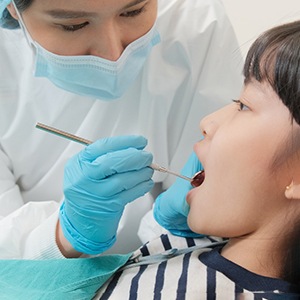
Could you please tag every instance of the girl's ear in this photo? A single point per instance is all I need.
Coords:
(10, 7)
(293, 191)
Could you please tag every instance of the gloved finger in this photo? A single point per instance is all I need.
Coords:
(107, 189)
(111, 144)
(113, 204)
(135, 192)
(121, 161)
(192, 166)
(171, 208)
(118, 183)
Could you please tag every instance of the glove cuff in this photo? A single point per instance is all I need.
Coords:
(78, 241)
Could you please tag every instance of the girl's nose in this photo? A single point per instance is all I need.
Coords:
(210, 124)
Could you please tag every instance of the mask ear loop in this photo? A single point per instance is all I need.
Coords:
(23, 27)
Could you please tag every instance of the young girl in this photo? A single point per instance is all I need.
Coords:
(251, 150)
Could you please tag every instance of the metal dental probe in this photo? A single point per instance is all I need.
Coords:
(86, 142)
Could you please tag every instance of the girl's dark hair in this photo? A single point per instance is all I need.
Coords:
(275, 57)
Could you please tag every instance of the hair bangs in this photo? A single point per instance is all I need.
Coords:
(275, 57)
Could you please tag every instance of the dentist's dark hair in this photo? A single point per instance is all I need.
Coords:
(275, 58)
(23, 4)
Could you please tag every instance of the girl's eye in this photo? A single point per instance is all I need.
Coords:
(241, 105)
(74, 27)
(133, 13)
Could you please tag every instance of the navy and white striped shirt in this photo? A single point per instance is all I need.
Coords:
(199, 274)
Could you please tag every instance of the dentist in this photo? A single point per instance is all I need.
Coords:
(113, 72)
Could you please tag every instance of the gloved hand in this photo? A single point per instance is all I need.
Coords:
(170, 207)
(98, 183)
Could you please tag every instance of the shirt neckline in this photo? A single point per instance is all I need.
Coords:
(242, 277)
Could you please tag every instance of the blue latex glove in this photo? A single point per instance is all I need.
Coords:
(171, 208)
(98, 183)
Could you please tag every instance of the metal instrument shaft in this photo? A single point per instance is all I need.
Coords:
(86, 142)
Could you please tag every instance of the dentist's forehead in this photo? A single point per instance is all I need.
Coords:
(68, 5)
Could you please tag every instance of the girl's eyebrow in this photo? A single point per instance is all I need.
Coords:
(71, 14)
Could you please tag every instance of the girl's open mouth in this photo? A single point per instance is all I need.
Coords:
(198, 178)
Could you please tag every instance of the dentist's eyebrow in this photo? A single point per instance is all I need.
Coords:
(133, 3)
(71, 14)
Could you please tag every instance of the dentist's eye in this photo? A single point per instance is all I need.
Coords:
(133, 13)
(241, 105)
(74, 27)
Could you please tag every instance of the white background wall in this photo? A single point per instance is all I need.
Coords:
(251, 17)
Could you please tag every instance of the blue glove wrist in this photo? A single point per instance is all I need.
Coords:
(78, 241)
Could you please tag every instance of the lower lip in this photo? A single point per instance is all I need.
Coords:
(200, 179)
(189, 195)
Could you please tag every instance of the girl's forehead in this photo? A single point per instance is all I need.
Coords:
(259, 91)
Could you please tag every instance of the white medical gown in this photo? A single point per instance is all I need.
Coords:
(194, 70)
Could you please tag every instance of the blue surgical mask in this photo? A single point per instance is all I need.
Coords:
(94, 76)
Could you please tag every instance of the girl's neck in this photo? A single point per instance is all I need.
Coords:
(260, 256)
